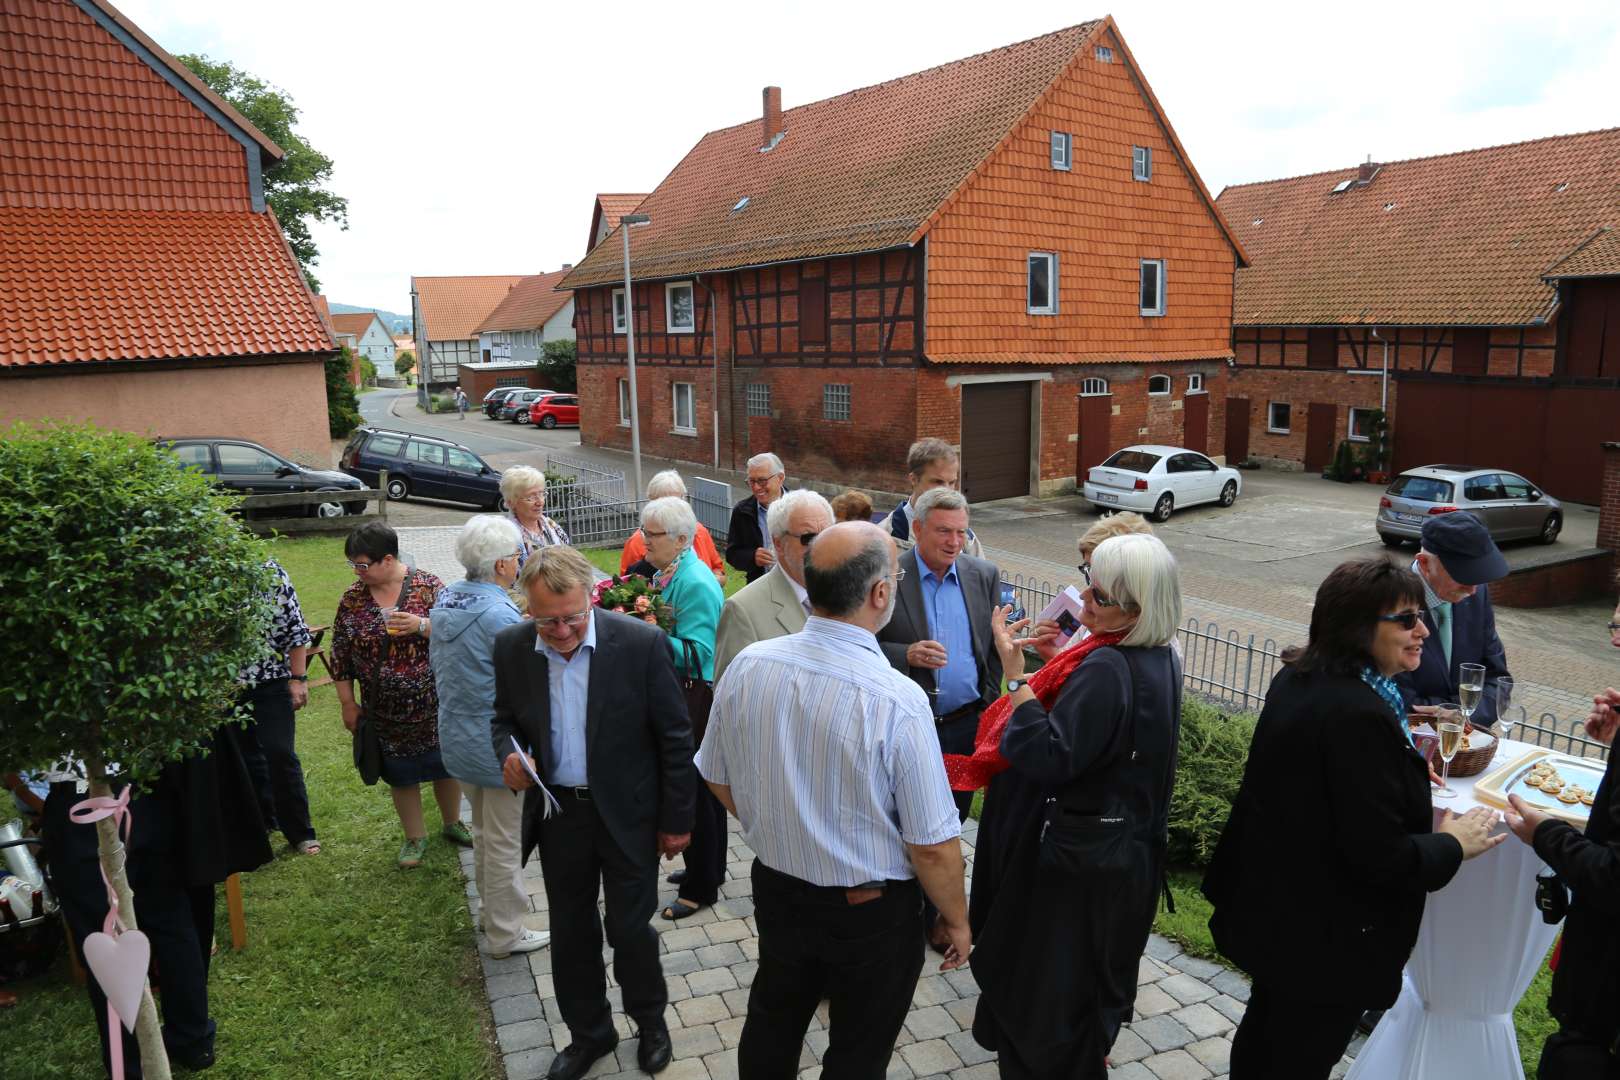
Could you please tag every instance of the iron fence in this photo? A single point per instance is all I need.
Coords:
(711, 501)
(1560, 735)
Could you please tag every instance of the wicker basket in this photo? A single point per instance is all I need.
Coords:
(1471, 762)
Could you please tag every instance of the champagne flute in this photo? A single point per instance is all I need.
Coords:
(1504, 702)
(1470, 688)
(1448, 721)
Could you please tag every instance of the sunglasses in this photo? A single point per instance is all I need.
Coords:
(1085, 571)
(1407, 619)
(805, 538)
(1101, 599)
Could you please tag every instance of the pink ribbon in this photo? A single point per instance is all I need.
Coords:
(86, 813)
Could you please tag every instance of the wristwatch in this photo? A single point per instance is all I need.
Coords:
(1015, 685)
(299, 678)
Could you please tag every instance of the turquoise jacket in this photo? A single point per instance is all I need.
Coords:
(697, 599)
(466, 619)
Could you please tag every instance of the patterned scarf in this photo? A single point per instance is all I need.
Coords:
(972, 772)
(1385, 687)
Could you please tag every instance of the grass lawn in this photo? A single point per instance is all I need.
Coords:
(353, 968)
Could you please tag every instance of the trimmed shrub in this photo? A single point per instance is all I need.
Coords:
(1214, 749)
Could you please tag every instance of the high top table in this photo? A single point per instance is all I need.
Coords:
(1481, 942)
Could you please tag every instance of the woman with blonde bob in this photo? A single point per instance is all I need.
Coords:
(1080, 761)
(524, 489)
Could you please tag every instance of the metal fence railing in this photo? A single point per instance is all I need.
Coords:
(1560, 735)
(711, 501)
(603, 485)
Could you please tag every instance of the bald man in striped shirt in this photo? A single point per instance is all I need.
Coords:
(829, 758)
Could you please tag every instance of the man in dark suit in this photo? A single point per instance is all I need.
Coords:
(940, 632)
(748, 541)
(592, 700)
(1457, 560)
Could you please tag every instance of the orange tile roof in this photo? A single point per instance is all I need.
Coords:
(529, 304)
(323, 309)
(610, 207)
(355, 322)
(1596, 256)
(1458, 239)
(859, 172)
(88, 285)
(453, 308)
(1112, 356)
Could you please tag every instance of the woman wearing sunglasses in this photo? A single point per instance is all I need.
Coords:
(1320, 875)
(1080, 761)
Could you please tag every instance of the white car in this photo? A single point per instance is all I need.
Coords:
(1158, 480)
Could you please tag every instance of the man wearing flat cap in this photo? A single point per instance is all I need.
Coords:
(1456, 561)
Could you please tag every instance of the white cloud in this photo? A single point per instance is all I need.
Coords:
(470, 138)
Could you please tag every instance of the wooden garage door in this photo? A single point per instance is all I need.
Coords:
(995, 440)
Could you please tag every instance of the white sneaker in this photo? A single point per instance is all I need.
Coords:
(531, 941)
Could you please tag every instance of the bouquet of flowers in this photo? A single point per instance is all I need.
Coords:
(637, 597)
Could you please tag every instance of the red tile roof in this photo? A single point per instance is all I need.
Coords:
(355, 322)
(529, 303)
(323, 309)
(1459, 239)
(610, 207)
(859, 172)
(87, 285)
(453, 308)
(1596, 256)
(1106, 356)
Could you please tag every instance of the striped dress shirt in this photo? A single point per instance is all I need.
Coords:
(830, 755)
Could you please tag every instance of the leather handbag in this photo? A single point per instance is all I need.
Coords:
(367, 751)
(699, 693)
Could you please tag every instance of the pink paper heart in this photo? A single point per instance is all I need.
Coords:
(119, 965)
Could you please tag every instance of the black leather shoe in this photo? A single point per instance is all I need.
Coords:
(577, 1059)
(654, 1052)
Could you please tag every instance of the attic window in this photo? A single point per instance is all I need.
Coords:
(1344, 185)
(1105, 55)
(1388, 207)
(1258, 221)
(742, 203)
(1561, 187)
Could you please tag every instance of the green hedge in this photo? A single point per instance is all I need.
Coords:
(1214, 747)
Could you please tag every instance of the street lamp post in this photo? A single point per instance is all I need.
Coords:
(625, 223)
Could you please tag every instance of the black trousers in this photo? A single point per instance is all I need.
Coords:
(178, 919)
(1568, 1055)
(1282, 1038)
(578, 854)
(706, 855)
(813, 943)
(278, 775)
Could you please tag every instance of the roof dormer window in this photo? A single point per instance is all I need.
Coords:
(742, 204)
(1105, 55)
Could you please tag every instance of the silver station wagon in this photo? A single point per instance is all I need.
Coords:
(1511, 507)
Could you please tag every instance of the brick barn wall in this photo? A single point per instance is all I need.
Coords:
(1299, 388)
(477, 383)
(1555, 584)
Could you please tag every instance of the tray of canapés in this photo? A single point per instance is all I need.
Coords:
(1555, 783)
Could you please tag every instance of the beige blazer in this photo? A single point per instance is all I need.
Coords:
(761, 610)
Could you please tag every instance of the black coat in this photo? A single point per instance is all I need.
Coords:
(1586, 987)
(638, 740)
(981, 588)
(743, 538)
(1473, 641)
(1055, 956)
(1319, 878)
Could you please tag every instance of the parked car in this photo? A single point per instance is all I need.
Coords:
(1511, 507)
(516, 408)
(1157, 480)
(251, 469)
(556, 409)
(423, 465)
(496, 398)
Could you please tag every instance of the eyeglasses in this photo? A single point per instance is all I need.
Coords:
(1613, 626)
(649, 535)
(1407, 619)
(805, 538)
(362, 567)
(557, 622)
(1085, 571)
(763, 481)
(898, 575)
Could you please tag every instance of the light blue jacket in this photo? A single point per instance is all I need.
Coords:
(697, 599)
(466, 619)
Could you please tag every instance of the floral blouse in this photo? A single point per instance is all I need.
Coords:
(287, 632)
(396, 683)
(547, 534)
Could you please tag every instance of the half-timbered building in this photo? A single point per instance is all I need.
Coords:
(1474, 297)
(1011, 252)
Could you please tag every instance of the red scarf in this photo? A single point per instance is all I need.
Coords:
(972, 772)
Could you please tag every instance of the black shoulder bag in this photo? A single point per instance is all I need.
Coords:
(699, 693)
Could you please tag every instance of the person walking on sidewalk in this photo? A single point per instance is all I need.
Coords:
(461, 404)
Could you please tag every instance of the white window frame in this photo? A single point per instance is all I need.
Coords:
(758, 399)
(1142, 163)
(1051, 307)
(675, 408)
(620, 312)
(1350, 424)
(1271, 417)
(1162, 380)
(1094, 387)
(624, 402)
(1157, 268)
(1105, 55)
(828, 393)
(1062, 146)
(669, 307)
(1195, 383)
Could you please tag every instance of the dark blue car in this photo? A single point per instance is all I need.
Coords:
(422, 465)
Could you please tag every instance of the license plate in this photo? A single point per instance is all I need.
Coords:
(1410, 519)
(1105, 497)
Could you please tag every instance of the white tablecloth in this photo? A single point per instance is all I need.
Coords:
(1480, 944)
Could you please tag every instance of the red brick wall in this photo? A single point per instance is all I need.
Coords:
(1608, 534)
(1557, 583)
(1300, 388)
(477, 383)
(1410, 348)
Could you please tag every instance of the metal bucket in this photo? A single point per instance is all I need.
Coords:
(21, 878)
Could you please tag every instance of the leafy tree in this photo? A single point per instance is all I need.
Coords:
(342, 403)
(295, 186)
(404, 361)
(132, 598)
(368, 371)
(556, 365)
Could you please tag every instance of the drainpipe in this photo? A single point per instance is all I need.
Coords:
(714, 334)
(1383, 393)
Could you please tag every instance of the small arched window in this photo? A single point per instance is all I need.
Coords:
(1159, 384)
(1094, 388)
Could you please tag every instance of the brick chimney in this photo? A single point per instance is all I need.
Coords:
(1366, 171)
(771, 125)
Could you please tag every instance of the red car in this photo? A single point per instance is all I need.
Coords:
(548, 412)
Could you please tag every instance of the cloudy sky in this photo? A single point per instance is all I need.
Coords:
(470, 138)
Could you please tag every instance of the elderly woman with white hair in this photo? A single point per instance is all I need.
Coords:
(1080, 762)
(524, 489)
(669, 526)
(633, 558)
(466, 618)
